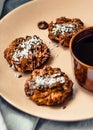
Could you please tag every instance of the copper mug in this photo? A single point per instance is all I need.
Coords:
(81, 48)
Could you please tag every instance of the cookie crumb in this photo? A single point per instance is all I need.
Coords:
(18, 75)
(64, 107)
(56, 55)
(9, 65)
(56, 45)
(51, 49)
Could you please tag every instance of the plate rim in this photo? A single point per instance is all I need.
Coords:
(1, 94)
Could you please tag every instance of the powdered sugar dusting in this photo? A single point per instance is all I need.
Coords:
(63, 28)
(47, 80)
(24, 49)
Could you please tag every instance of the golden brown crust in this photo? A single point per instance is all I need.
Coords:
(44, 89)
(25, 57)
(63, 37)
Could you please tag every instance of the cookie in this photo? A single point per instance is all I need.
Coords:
(63, 29)
(48, 86)
(27, 54)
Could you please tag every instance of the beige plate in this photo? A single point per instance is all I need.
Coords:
(23, 21)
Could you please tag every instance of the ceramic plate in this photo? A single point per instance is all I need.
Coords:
(23, 21)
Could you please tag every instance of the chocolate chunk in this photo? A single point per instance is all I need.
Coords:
(42, 25)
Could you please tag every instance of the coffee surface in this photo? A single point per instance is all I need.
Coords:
(83, 50)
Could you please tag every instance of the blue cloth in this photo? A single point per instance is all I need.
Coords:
(1, 6)
(14, 119)
(8, 5)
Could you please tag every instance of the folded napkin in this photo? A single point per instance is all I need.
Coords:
(2, 123)
(14, 119)
(18, 120)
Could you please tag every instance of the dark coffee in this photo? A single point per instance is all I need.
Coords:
(83, 50)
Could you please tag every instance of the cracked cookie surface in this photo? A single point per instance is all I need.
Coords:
(63, 29)
(48, 86)
(27, 54)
